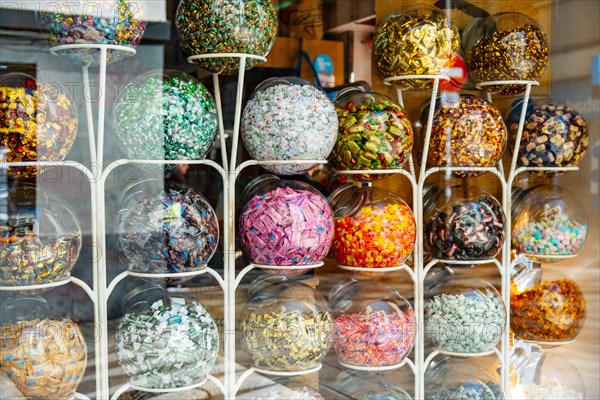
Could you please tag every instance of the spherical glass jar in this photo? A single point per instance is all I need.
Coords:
(165, 340)
(40, 238)
(463, 378)
(546, 306)
(165, 115)
(554, 134)
(548, 223)
(373, 133)
(373, 228)
(420, 41)
(466, 132)
(38, 121)
(285, 223)
(462, 223)
(374, 326)
(464, 316)
(43, 352)
(286, 326)
(505, 46)
(111, 22)
(226, 26)
(363, 385)
(166, 228)
(289, 119)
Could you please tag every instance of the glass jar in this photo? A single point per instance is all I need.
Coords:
(166, 228)
(374, 326)
(286, 325)
(505, 46)
(287, 389)
(43, 352)
(373, 228)
(466, 315)
(546, 306)
(462, 223)
(420, 41)
(373, 133)
(466, 132)
(285, 223)
(289, 119)
(40, 237)
(554, 134)
(38, 121)
(226, 26)
(361, 385)
(548, 223)
(165, 115)
(165, 340)
(112, 22)
(463, 378)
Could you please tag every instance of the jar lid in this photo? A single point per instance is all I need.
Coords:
(339, 288)
(257, 183)
(348, 199)
(24, 309)
(142, 297)
(437, 278)
(431, 194)
(259, 285)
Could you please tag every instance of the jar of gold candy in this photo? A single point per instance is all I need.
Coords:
(285, 225)
(373, 133)
(165, 340)
(554, 134)
(286, 326)
(420, 41)
(548, 223)
(38, 121)
(374, 229)
(43, 352)
(374, 326)
(546, 306)
(462, 223)
(466, 132)
(505, 46)
(40, 237)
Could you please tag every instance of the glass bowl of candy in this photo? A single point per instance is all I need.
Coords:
(504, 47)
(40, 237)
(374, 326)
(374, 229)
(554, 134)
(165, 115)
(286, 226)
(467, 132)
(464, 316)
(165, 340)
(289, 119)
(548, 223)
(213, 27)
(374, 133)
(107, 22)
(546, 306)
(286, 326)
(43, 352)
(38, 121)
(166, 227)
(418, 41)
(462, 223)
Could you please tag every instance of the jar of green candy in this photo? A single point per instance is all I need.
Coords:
(374, 133)
(286, 326)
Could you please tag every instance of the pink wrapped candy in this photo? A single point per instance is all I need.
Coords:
(285, 223)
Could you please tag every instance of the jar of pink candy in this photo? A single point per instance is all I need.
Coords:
(286, 226)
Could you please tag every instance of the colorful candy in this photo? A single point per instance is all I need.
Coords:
(171, 343)
(554, 135)
(226, 26)
(169, 116)
(38, 121)
(373, 133)
(418, 43)
(471, 390)
(467, 131)
(170, 229)
(44, 358)
(289, 119)
(114, 22)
